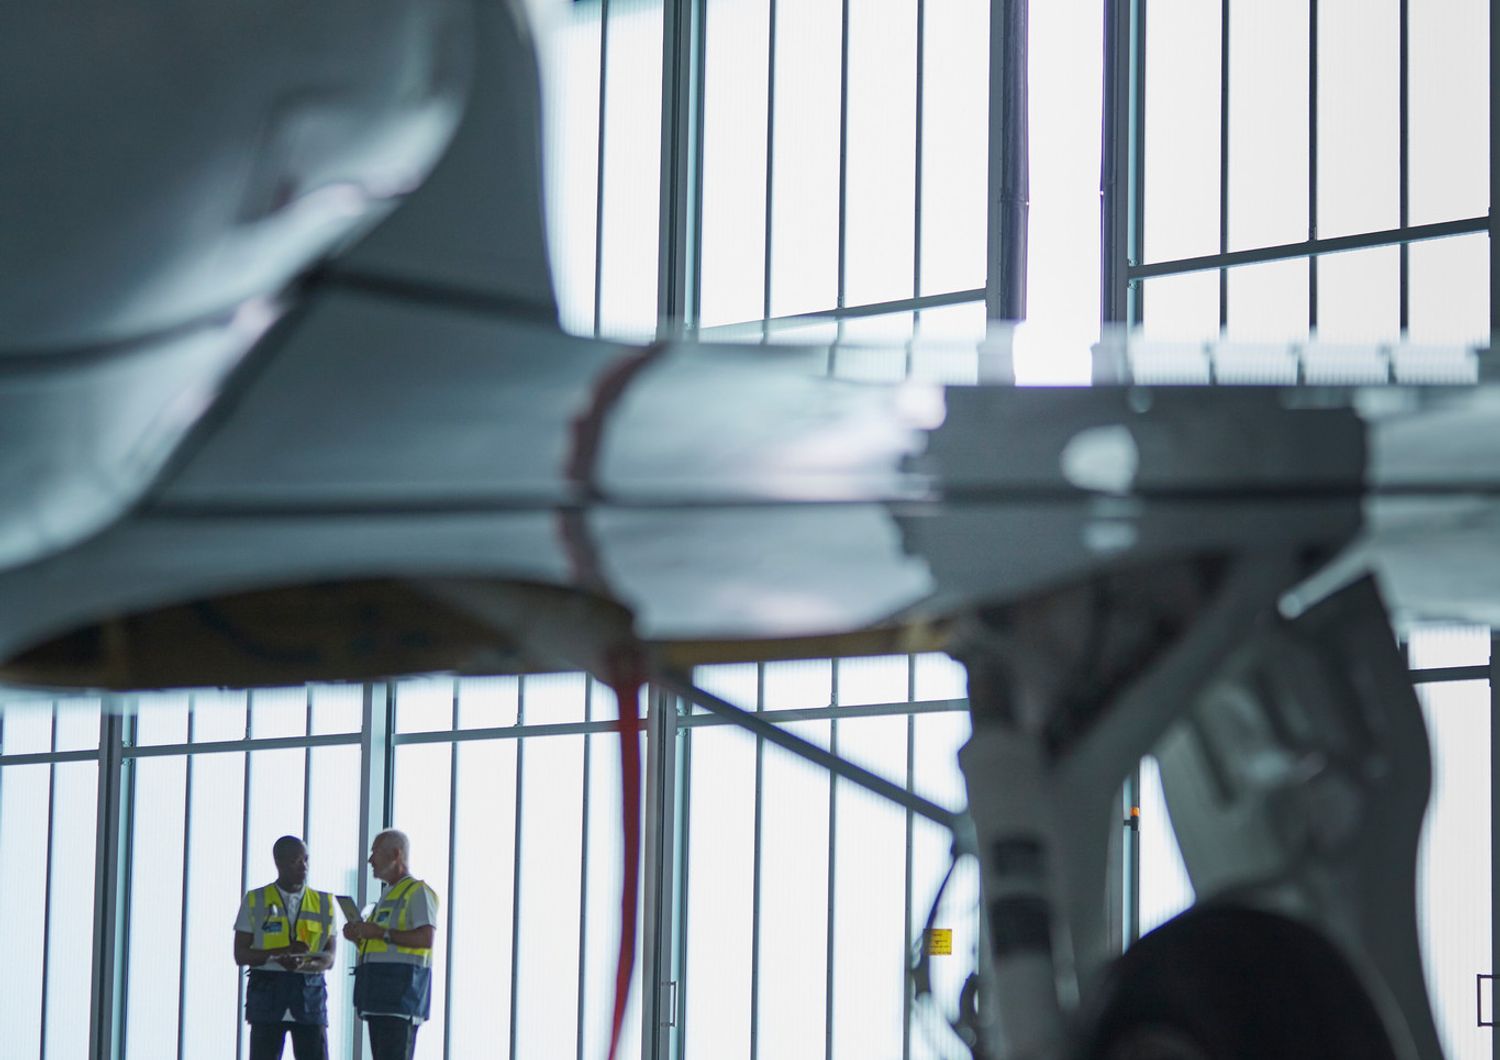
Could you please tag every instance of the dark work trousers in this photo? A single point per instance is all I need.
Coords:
(391, 1037)
(309, 1041)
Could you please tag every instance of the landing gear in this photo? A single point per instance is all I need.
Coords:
(1294, 759)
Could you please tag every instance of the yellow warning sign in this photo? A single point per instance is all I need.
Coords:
(940, 942)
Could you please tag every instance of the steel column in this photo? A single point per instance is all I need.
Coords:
(1136, 224)
(47, 880)
(755, 870)
(679, 251)
(770, 185)
(375, 762)
(453, 757)
(830, 982)
(659, 971)
(1494, 197)
(599, 166)
(1131, 928)
(1312, 162)
(1487, 370)
(1116, 142)
(1494, 676)
(1224, 57)
(589, 684)
(515, 879)
(111, 889)
(239, 1031)
(189, 767)
(1009, 161)
(1403, 162)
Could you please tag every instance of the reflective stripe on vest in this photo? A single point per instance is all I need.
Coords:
(273, 928)
(395, 906)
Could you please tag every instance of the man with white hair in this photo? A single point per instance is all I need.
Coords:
(393, 976)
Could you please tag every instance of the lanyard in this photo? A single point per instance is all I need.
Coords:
(285, 904)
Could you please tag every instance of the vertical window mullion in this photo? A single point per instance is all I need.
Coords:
(683, 836)
(843, 156)
(1404, 161)
(1223, 163)
(694, 264)
(1117, 165)
(833, 787)
(239, 1040)
(47, 883)
(1494, 159)
(917, 154)
(911, 785)
(114, 813)
(129, 732)
(679, 250)
(187, 833)
(755, 878)
(453, 756)
(583, 864)
(1131, 848)
(1136, 228)
(515, 893)
(765, 310)
(307, 727)
(1494, 808)
(598, 188)
(1312, 162)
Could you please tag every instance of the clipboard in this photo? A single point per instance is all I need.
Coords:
(351, 911)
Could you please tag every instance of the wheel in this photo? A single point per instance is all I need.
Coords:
(1226, 983)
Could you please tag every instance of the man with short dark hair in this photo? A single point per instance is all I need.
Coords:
(284, 936)
(393, 979)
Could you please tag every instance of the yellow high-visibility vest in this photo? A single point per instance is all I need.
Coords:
(392, 912)
(274, 928)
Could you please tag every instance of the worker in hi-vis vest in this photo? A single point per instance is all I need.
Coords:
(393, 978)
(284, 935)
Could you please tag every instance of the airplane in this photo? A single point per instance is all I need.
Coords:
(284, 398)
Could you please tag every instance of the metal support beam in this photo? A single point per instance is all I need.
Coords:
(1131, 925)
(1312, 162)
(516, 836)
(1225, 55)
(1116, 142)
(47, 882)
(1335, 245)
(375, 752)
(111, 898)
(679, 250)
(660, 974)
(599, 145)
(956, 823)
(1487, 370)
(1494, 823)
(747, 330)
(581, 1014)
(1009, 161)
(1403, 157)
(1136, 225)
